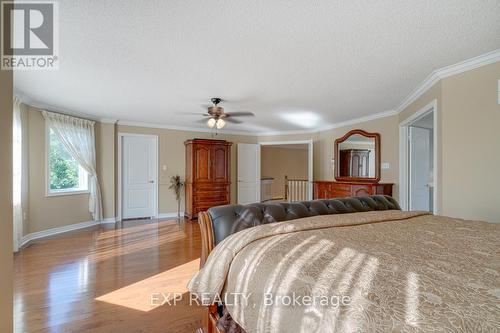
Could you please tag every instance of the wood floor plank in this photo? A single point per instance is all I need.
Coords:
(101, 279)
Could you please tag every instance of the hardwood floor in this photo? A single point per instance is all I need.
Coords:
(109, 279)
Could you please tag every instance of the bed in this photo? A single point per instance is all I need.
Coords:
(346, 265)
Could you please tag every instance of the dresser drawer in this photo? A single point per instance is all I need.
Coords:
(342, 187)
(211, 187)
(211, 196)
(340, 194)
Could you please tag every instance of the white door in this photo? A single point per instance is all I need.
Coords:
(420, 168)
(248, 173)
(139, 176)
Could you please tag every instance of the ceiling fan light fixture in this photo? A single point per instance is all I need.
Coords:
(211, 122)
(220, 123)
(216, 116)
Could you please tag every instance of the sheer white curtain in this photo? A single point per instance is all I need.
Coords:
(78, 137)
(18, 176)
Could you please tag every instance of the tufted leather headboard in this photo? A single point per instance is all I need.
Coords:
(226, 220)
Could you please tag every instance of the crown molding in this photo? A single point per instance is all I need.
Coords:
(181, 128)
(259, 134)
(25, 99)
(108, 121)
(375, 116)
(441, 73)
(431, 80)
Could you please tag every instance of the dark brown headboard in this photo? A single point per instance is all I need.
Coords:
(219, 222)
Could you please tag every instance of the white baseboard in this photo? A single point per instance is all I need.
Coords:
(55, 231)
(169, 215)
(59, 230)
(109, 220)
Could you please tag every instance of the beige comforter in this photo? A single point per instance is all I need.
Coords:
(369, 272)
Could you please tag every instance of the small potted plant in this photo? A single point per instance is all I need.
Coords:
(176, 185)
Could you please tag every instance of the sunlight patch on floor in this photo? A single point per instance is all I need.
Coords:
(137, 296)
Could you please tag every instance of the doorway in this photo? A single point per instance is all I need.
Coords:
(281, 181)
(284, 172)
(418, 160)
(137, 176)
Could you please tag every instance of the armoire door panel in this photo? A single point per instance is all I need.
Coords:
(202, 160)
(220, 163)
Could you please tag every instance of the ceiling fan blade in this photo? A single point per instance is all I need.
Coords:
(232, 120)
(194, 114)
(240, 114)
(201, 121)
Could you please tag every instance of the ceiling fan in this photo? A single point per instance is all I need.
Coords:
(218, 118)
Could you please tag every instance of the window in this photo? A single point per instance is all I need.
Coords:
(64, 174)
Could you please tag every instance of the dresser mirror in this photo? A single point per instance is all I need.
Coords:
(357, 157)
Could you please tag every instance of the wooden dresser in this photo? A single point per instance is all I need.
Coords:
(330, 189)
(208, 175)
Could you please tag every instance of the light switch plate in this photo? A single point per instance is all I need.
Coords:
(385, 166)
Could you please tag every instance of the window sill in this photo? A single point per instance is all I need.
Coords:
(64, 193)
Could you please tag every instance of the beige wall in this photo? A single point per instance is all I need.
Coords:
(471, 144)
(276, 162)
(55, 211)
(47, 212)
(468, 141)
(6, 265)
(172, 154)
(468, 119)
(105, 151)
(323, 147)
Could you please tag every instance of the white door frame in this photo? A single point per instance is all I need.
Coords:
(120, 180)
(309, 160)
(404, 174)
(257, 174)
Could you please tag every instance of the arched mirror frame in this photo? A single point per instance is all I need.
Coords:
(375, 136)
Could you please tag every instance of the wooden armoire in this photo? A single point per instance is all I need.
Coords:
(355, 163)
(208, 175)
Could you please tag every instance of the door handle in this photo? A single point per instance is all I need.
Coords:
(151, 181)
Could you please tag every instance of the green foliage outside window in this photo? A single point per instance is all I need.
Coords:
(63, 168)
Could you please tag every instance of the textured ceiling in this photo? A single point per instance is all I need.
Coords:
(295, 64)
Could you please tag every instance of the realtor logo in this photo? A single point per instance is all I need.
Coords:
(29, 38)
